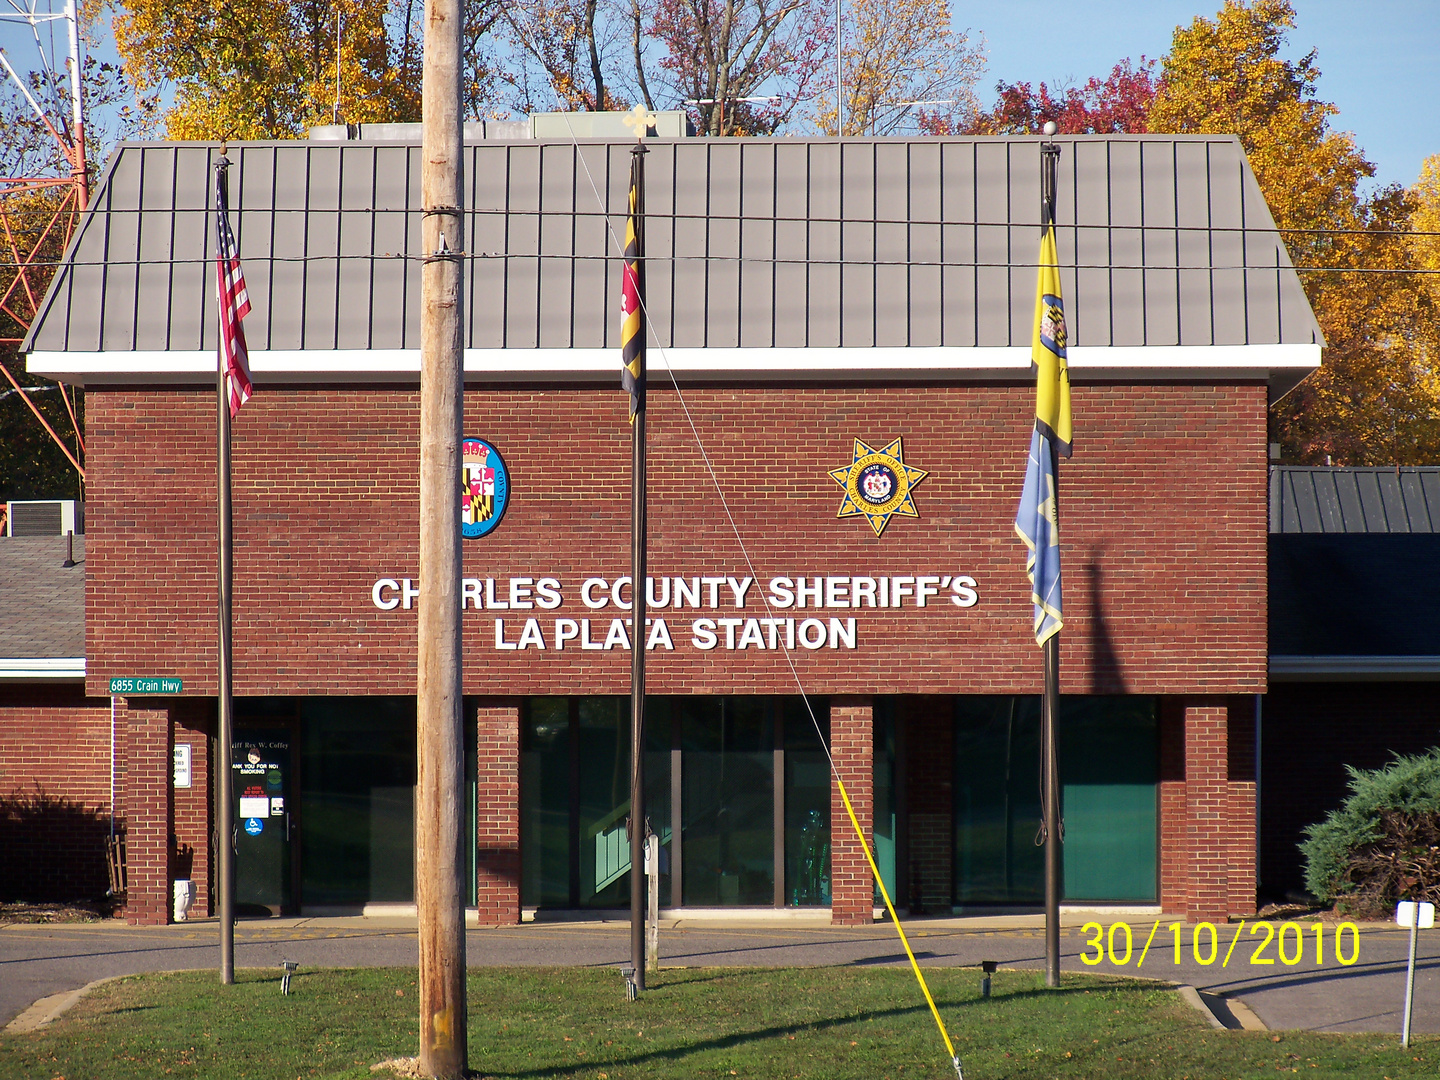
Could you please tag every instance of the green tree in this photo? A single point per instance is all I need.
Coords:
(1374, 398)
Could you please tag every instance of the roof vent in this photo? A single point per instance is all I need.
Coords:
(44, 517)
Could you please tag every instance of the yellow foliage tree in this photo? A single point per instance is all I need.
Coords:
(268, 70)
(1373, 399)
(1425, 220)
(896, 52)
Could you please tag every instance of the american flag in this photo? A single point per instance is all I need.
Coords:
(234, 302)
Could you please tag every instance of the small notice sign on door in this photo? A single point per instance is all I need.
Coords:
(182, 765)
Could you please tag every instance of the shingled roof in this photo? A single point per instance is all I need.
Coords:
(42, 609)
(901, 255)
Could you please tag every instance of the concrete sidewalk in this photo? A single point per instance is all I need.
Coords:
(37, 961)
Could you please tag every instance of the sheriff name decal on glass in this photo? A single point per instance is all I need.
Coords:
(484, 487)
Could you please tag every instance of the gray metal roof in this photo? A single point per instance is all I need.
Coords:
(42, 603)
(1355, 500)
(755, 243)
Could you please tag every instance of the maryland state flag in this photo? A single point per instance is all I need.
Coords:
(1037, 521)
(632, 297)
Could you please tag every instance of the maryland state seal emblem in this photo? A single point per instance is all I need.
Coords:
(878, 484)
(484, 487)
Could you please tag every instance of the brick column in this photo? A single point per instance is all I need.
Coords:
(1241, 767)
(852, 888)
(194, 819)
(929, 742)
(144, 746)
(497, 812)
(1174, 839)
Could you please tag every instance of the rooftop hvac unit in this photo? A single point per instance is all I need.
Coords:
(44, 517)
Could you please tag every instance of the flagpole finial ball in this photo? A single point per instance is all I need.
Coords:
(1050, 127)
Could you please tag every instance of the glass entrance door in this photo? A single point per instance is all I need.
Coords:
(261, 771)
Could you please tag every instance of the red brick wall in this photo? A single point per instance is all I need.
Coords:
(497, 818)
(195, 724)
(54, 793)
(144, 750)
(929, 782)
(852, 745)
(1163, 523)
(1310, 732)
(1207, 808)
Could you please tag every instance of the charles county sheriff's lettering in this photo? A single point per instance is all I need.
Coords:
(717, 593)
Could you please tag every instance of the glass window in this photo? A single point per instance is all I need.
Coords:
(728, 800)
(545, 803)
(1108, 766)
(807, 803)
(886, 804)
(357, 782)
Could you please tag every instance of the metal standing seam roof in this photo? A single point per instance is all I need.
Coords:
(752, 243)
(1355, 500)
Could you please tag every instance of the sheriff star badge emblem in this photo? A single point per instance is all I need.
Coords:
(878, 484)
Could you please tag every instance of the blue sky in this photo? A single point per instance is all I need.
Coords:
(1379, 59)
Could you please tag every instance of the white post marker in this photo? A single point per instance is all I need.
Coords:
(652, 923)
(1416, 917)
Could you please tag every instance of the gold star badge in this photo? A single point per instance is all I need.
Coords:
(877, 484)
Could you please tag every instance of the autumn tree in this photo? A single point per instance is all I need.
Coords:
(1371, 400)
(269, 70)
(903, 67)
(1117, 104)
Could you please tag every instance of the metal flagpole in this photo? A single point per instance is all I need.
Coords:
(637, 826)
(1050, 708)
(225, 846)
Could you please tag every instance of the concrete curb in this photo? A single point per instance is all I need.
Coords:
(49, 1009)
(1191, 997)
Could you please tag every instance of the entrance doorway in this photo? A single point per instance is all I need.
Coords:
(265, 852)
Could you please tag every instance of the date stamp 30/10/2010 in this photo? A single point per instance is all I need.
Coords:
(1264, 943)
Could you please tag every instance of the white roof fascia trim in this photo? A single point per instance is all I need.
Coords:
(1358, 668)
(42, 668)
(500, 365)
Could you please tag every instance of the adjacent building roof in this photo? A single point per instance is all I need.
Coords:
(1386, 499)
(1352, 558)
(807, 258)
(42, 609)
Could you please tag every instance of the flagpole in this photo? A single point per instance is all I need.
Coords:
(225, 847)
(638, 571)
(1050, 705)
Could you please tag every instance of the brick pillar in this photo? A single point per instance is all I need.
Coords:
(194, 818)
(852, 887)
(144, 746)
(1241, 765)
(1174, 839)
(497, 812)
(929, 745)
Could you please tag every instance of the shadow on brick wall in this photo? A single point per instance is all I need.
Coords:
(52, 849)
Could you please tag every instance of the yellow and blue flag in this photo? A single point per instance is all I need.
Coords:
(1037, 522)
(632, 300)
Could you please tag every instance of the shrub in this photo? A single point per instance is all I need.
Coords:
(1383, 843)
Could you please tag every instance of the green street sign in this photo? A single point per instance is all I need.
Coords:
(144, 685)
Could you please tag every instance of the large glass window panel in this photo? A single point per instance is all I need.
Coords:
(886, 804)
(603, 743)
(997, 801)
(545, 803)
(728, 754)
(1108, 763)
(357, 783)
(1108, 760)
(807, 804)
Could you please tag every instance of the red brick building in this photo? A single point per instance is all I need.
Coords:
(806, 296)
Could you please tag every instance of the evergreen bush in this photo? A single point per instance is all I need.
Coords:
(1383, 843)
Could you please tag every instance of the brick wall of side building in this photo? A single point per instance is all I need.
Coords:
(55, 813)
(929, 784)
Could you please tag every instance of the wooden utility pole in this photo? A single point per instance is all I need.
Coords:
(440, 812)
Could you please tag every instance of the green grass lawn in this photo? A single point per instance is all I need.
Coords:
(809, 1024)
